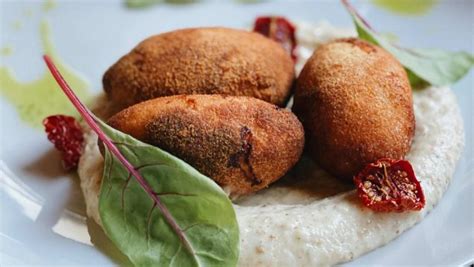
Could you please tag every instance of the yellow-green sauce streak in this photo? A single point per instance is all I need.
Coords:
(48, 5)
(17, 25)
(6, 51)
(406, 7)
(35, 100)
(28, 12)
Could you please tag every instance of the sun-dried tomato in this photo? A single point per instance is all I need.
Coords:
(389, 185)
(66, 135)
(279, 29)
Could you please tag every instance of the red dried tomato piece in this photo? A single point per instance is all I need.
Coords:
(66, 135)
(279, 29)
(389, 185)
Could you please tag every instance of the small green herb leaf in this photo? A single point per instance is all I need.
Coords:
(431, 66)
(208, 231)
(158, 210)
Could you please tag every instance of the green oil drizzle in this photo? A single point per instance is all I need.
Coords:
(28, 13)
(149, 3)
(249, 1)
(48, 5)
(17, 25)
(6, 51)
(406, 7)
(35, 100)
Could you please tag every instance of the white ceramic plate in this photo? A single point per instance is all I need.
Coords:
(42, 209)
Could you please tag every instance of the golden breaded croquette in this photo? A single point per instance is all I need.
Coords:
(355, 102)
(243, 143)
(202, 61)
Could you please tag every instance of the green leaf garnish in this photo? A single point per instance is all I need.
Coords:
(157, 209)
(207, 231)
(423, 66)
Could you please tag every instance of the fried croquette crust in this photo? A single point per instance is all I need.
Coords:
(355, 102)
(243, 143)
(202, 61)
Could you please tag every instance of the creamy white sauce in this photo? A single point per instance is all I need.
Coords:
(317, 231)
(309, 218)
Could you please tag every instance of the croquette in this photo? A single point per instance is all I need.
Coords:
(202, 61)
(355, 103)
(242, 143)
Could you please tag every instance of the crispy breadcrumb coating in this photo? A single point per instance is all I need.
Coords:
(243, 143)
(355, 102)
(202, 61)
